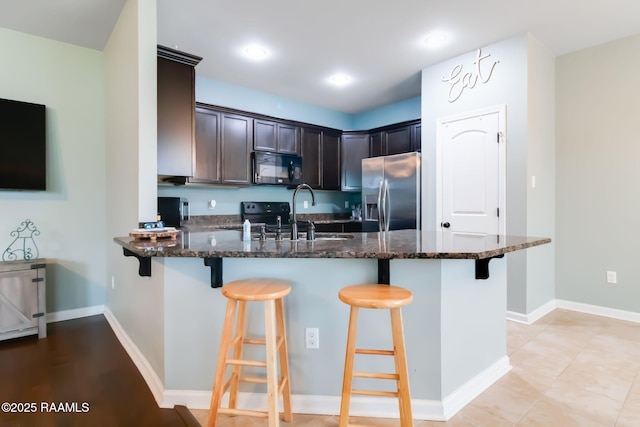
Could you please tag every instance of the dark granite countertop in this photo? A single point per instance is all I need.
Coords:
(212, 242)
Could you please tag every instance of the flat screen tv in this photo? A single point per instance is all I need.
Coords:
(23, 146)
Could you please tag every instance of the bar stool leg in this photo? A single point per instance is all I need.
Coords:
(272, 366)
(400, 357)
(218, 381)
(348, 367)
(237, 354)
(284, 361)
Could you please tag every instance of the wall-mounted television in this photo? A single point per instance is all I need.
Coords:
(23, 146)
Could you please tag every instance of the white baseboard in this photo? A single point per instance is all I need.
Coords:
(534, 316)
(613, 313)
(76, 313)
(597, 310)
(378, 407)
(311, 404)
(144, 367)
(474, 387)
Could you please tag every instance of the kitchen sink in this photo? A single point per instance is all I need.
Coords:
(333, 236)
(303, 236)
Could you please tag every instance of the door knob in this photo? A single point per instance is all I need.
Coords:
(445, 224)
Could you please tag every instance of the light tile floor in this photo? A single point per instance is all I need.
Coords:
(569, 369)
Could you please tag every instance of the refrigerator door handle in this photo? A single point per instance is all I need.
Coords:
(386, 201)
(380, 207)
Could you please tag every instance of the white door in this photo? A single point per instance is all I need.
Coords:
(471, 193)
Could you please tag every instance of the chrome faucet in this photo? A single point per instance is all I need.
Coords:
(294, 220)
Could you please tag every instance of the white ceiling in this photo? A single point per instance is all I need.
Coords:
(378, 43)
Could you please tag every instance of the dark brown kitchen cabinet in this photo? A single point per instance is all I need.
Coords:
(235, 149)
(288, 138)
(331, 160)
(176, 111)
(311, 152)
(207, 147)
(416, 137)
(320, 150)
(375, 144)
(398, 140)
(355, 147)
(276, 136)
(395, 139)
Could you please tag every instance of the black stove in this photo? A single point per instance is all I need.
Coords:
(267, 213)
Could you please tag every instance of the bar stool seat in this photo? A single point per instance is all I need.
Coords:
(271, 292)
(377, 296)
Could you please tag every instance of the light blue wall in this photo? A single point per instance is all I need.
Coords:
(228, 198)
(70, 215)
(402, 111)
(232, 96)
(228, 95)
(509, 85)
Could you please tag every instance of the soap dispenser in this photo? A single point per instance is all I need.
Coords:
(246, 231)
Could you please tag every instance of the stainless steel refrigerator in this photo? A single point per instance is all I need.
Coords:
(391, 192)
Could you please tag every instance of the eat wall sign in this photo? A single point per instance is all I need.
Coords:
(461, 78)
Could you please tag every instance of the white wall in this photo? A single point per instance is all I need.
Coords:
(130, 57)
(71, 213)
(598, 106)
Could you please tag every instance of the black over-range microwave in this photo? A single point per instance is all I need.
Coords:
(276, 168)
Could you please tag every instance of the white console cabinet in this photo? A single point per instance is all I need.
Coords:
(22, 299)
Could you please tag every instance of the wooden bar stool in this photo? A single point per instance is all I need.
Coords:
(239, 292)
(377, 296)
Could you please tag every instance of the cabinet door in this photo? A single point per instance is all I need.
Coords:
(330, 161)
(355, 147)
(18, 300)
(375, 144)
(236, 131)
(398, 140)
(416, 137)
(288, 139)
(176, 101)
(264, 135)
(311, 156)
(207, 168)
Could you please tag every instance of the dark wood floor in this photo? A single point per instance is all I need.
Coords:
(81, 366)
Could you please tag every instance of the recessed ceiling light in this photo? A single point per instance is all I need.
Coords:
(255, 52)
(436, 39)
(339, 79)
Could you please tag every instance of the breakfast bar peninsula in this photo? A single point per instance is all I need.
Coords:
(455, 328)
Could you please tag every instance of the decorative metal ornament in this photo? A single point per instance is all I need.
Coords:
(23, 243)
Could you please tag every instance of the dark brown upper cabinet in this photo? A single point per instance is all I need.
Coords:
(355, 147)
(320, 150)
(235, 149)
(416, 137)
(311, 152)
(395, 139)
(207, 147)
(176, 112)
(276, 136)
(331, 161)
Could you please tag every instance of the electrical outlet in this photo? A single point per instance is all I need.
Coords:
(346, 204)
(312, 338)
(305, 204)
(612, 277)
(211, 204)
